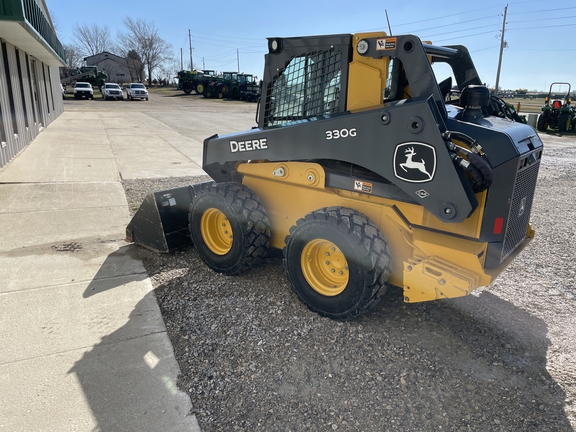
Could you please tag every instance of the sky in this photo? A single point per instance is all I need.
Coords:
(227, 36)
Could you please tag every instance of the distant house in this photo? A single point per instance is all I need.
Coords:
(112, 65)
(30, 58)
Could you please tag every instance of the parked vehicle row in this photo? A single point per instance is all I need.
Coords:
(84, 90)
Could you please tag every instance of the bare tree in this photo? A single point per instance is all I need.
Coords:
(92, 39)
(73, 56)
(143, 38)
(165, 72)
(135, 66)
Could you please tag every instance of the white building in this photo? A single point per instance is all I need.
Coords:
(30, 58)
(112, 65)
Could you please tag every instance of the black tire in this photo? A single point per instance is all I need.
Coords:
(564, 122)
(229, 227)
(187, 87)
(542, 126)
(337, 262)
(200, 88)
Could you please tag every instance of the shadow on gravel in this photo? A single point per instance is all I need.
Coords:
(253, 358)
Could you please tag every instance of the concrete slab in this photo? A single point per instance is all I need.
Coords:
(37, 164)
(82, 260)
(188, 146)
(42, 197)
(66, 317)
(107, 388)
(62, 226)
(84, 344)
(115, 124)
(139, 142)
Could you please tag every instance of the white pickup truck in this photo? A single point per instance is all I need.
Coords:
(136, 91)
(83, 90)
(112, 91)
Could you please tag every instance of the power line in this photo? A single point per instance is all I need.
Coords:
(540, 11)
(464, 37)
(541, 27)
(440, 17)
(540, 19)
(472, 28)
(455, 24)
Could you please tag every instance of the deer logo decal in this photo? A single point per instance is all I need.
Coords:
(415, 162)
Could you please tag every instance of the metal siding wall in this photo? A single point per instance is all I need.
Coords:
(7, 148)
(41, 93)
(43, 102)
(29, 107)
(21, 136)
(48, 92)
(57, 91)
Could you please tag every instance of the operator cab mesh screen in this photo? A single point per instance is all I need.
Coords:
(309, 86)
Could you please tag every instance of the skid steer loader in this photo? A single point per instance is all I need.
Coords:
(362, 173)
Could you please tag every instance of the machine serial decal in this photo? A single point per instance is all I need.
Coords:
(415, 162)
(362, 186)
(386, 44)
(249, 145)
(340, 133)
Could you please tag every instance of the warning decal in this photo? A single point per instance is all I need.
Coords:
(386, 44)
(362, 186)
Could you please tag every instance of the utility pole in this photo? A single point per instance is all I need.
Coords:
(190, 41)
(238, 59)
(502, 45)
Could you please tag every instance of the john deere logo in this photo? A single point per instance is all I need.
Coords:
(415, 162)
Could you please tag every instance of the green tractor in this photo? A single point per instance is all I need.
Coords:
(245, 88)
(219, 87)
(557, 112)
(189, 81)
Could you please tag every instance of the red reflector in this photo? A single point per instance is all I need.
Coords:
(498, 222)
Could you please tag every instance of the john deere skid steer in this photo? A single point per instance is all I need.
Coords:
(363, 175)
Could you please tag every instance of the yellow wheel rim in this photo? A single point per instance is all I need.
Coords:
(325, 267)
(216, 231)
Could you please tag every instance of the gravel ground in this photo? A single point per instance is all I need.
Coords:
(253, 358)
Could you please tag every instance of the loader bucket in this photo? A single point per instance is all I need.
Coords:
(161, 222)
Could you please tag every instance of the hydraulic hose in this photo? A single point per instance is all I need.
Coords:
(473, 161)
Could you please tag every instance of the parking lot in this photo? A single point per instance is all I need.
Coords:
(252, 357)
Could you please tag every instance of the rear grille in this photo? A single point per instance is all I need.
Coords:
(519, 216)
